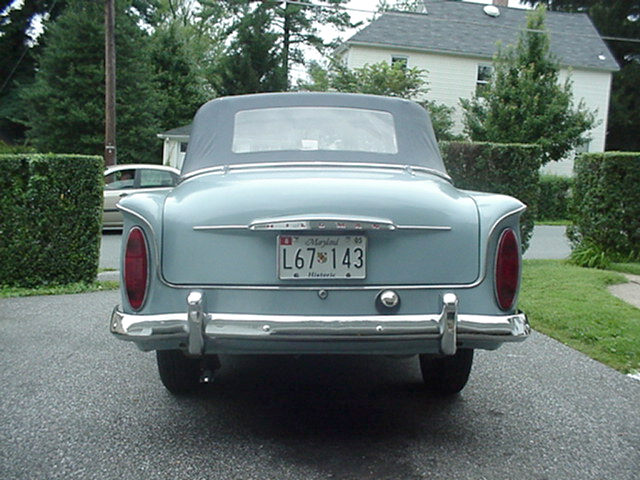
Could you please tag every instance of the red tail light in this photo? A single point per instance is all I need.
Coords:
(136, 268)
(507, 269)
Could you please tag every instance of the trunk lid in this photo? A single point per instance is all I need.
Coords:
(217, 231)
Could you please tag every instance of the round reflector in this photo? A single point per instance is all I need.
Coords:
(507, 269)
(136, 266)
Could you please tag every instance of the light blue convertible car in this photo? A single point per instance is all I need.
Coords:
(318, 223)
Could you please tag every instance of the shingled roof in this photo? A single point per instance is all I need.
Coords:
(462, 28)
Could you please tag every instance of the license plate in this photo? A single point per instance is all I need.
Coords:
(318, 257)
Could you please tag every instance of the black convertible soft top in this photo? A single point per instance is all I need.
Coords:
(214, 141)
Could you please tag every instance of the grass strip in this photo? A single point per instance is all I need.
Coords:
(6, 292)
(632, 268)
(572, 305)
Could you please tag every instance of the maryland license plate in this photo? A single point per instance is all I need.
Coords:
(317, 257)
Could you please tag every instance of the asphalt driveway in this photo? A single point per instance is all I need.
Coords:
(78, 404)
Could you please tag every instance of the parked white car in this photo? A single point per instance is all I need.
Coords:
(123, 180)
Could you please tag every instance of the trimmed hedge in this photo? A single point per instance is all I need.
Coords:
(606, 205)
(553, 203)
(510, 169)
(50, 219)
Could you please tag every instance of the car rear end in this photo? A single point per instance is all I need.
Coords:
(398, 262)
(318, 224)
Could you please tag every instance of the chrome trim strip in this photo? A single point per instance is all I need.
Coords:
(433, 228)
(135, 214)
(384, 227)
(322, 222)
(328, 288)
(504, 217)
(224, 169)
(206, 228)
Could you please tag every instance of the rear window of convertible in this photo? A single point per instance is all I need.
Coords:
(314, 128)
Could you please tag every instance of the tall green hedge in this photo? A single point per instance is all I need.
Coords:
(555, 192)
(510, 169)
(50, 219)
(606, 204)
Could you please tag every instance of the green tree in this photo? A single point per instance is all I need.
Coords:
(179, 75)
(252, 62)
(400, 5)
(20, 45)
(395, 80)
(525, 103)
(618, 20)
(65, 104)
(186, 41)
(282, 29)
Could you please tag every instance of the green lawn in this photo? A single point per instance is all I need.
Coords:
(572, 305)
(633, 268)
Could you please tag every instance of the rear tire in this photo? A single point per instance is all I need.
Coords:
(444, 374)
(179, 373)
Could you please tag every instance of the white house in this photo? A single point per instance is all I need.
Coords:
(174, 145)
(456, 41)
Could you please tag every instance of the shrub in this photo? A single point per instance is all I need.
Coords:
(553, 203)
(605, 207)
(5, 148)
(510, 169)
(50, 219)
(589, 255)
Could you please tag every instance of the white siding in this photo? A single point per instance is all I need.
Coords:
(172, 154)
(594, 89)
(451, 77)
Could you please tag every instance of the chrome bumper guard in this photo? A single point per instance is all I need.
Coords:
(193, 329)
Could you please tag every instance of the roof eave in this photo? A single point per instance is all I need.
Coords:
(164, 136)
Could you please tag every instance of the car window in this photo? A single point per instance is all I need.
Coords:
(314, 128)
(120, 179)
(156, 178)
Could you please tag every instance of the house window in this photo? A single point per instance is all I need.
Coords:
(583, 148)
(183, 147)
(483, 79)
(400, 60)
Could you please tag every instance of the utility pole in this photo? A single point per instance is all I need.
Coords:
(110, 83)
(287, 44)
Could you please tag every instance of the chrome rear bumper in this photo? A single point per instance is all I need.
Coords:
(200, 332)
